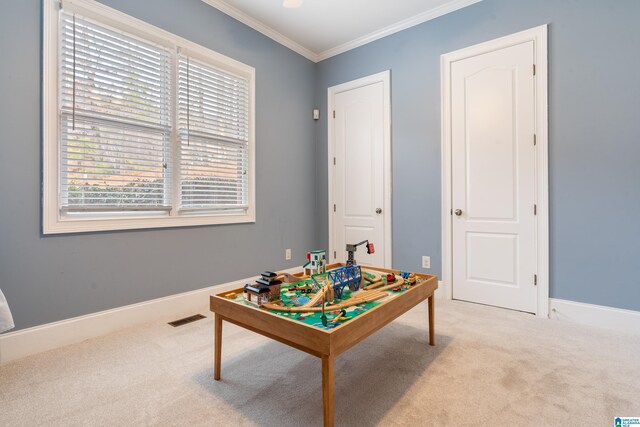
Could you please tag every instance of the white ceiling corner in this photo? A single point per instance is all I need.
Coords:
(320, 29)
(247, 19)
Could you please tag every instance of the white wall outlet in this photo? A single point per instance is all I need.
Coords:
(426, 262)
(287, 254)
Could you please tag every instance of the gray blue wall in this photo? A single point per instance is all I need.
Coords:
(56, 277)
(594, 144)
(594, 135)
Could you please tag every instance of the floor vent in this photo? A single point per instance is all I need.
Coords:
(186, 320)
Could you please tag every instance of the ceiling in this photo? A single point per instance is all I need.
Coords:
(320, 29)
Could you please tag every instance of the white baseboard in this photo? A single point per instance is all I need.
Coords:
(627, 321)
(25, 342)
(441, 292)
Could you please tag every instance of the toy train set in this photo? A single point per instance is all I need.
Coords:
(341, 292)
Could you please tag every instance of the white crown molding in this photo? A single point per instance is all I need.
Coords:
(397, 27)
(428, 15)
(262, 28)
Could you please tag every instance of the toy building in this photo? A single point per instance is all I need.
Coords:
(316, 264)
(266, 289)
(270, 279)
(256, 294)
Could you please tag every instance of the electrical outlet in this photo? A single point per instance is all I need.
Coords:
(287, 254)
(426, 262)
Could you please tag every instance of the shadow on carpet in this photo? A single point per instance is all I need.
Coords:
(273, 384)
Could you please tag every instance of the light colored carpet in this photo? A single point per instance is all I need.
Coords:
(490, 367)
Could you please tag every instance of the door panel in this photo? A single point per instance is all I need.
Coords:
(493, 178)
(492, 258)
(490, 144)
(358, 182)
(356, 118)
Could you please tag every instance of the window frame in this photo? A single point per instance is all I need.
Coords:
(53, 221)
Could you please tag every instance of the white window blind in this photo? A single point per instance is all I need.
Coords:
(213, 132)
(141, 128)
(115, 120)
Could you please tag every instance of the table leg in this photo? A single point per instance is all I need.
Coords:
(328, 389)
(432, 326)
(217, 350)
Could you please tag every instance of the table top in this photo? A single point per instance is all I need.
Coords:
(305, 331)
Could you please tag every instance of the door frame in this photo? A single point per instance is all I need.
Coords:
(539, 37)
(385, 78)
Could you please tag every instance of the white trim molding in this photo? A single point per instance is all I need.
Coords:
(384, 78)
(25, 342)
(428, 15)
(539, 37)
(53, 222)
(250, 21)
(440, 292)
(262, 28)
(443, 291)
(617, 319)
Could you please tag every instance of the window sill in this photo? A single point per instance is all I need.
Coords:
(65, 225)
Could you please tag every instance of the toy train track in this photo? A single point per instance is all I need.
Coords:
(363, 297)
(376, 285)
(373, 292)
(371, 276)
(372, 286)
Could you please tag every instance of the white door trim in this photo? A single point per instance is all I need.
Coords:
(539, 37)
(385, 78)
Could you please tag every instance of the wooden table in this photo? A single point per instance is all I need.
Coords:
(325, 344)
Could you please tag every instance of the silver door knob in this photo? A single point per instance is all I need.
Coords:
(458, 212)
(379, 211)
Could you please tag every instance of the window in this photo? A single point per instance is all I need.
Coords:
(115, 120)
(141, 128)
(213, 130)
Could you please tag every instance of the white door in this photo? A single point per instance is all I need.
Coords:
(493, 178)
(359, 206)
